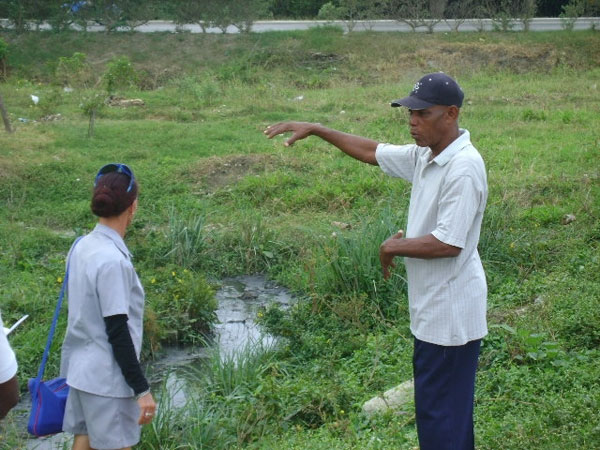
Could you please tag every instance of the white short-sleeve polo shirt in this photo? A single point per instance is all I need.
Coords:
(447, 296)
(102, 282)
(8, 361)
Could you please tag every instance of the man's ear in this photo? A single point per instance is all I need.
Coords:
(453, 112)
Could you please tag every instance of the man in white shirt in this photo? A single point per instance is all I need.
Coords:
(446, 283)
(9, 387)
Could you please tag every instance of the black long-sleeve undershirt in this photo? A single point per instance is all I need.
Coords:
(124, 351)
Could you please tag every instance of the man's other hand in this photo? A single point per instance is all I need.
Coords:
(386, 257)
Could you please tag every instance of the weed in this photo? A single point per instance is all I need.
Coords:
(187, 239)
(348, 267)
(74, 71)
(183, 306)
(531, 115)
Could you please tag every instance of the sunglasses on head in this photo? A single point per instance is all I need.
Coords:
(116, 167)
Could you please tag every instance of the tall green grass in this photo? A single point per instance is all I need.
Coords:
(186, 239)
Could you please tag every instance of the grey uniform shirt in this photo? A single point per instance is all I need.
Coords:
(447, 296)
(102, 282)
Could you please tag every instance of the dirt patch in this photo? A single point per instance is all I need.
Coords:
(514, 58)
(217, 172)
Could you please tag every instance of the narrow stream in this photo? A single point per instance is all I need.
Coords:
(239, 300)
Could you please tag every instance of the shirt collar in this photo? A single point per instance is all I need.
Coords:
(463, 139)
(113, 236)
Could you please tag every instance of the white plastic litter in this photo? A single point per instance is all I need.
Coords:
(35, 99)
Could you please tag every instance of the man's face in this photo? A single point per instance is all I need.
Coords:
(428, 126)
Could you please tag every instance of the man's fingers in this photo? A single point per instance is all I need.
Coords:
(297, 130)
(270, 132)
(399, 234)
(273, 130)
(291, 140)
(386, 269)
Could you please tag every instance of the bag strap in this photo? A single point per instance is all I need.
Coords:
(55, 318)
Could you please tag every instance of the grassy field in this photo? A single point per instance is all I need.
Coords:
(219, 199)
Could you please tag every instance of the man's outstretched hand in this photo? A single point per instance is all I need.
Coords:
(386, 254)
(300, 130)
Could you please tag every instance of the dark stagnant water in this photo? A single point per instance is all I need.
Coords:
(239, 300)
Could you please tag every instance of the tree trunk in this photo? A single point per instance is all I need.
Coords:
(5, 116)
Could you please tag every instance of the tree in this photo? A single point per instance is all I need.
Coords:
(550, 8)
(60, 16)
(83, 13)
(418, 13)
(243, 13)
(3, 55)
(135, 13)
(571, 12)
(4, 114)
(193, 11)
(40, 13)
(107, 13)
(526, 10)
(458, 11)
(296, 9)
(19, 12)
(502, 14)
(222, 17)
(91, 105)
(351, 11)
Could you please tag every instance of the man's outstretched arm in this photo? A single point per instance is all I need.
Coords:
(360, 148)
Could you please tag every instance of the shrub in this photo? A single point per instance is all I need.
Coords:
(120, 74)
(530, 115)
(571, 12)
(195, 94)
(50, 102)
(183, 305)
(73, 70)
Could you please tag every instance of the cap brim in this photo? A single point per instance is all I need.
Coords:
(412, 102)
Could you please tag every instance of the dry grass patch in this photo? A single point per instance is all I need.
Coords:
(216, 172)
(471, 56)
(26, 145)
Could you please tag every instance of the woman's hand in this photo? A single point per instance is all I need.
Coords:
(147, 408)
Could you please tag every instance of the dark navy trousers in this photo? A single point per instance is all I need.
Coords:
(444, 394)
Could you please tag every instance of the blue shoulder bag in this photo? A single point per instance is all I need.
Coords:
(48, 398)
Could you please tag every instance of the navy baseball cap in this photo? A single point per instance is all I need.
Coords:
(433, 89)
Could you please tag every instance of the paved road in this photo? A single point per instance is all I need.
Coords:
(538, 24)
